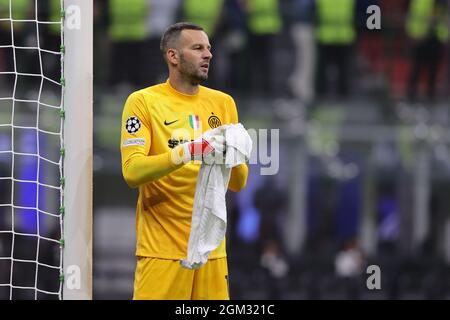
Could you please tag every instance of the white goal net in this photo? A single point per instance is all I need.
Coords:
(31, 149)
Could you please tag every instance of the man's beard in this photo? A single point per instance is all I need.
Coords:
(191, 72)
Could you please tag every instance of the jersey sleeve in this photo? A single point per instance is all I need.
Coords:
(138, 167)
(233, 111)
(239, 174)
(136, 128)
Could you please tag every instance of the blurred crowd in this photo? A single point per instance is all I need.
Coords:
(305, 49)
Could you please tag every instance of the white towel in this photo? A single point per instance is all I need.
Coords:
(209, 215)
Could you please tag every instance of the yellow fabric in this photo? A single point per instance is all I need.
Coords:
(161, 279)
(55, 16)
(264, 17)
(166, 190)
(128, 20)
(335, 24)
(20, 10)
(204, 13)
(420, 19)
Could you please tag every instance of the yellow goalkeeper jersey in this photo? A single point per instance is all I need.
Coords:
(156, 120)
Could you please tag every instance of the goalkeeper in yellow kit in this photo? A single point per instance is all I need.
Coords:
(164, 127)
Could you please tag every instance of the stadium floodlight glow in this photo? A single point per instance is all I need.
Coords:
(46, 151)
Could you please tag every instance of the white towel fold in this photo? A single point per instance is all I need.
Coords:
(209, 215)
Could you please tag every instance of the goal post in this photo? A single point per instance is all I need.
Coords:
(46, 131)
(78, 148)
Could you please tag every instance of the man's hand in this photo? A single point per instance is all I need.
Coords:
(208, 148)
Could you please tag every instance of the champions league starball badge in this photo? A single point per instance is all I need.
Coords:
(132, 125)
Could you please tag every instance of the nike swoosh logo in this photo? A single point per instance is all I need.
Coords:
(169, 123)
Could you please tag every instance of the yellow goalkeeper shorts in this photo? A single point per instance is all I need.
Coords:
(162, 279)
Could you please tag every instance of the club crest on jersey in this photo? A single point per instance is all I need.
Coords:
(132, 125)
(214, 121)
(194, 121)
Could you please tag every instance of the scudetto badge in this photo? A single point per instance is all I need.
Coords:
(133, 125)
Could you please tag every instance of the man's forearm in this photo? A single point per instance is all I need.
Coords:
(238, 178)
(140, 170)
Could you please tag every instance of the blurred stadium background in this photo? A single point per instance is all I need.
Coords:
(364, 159)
